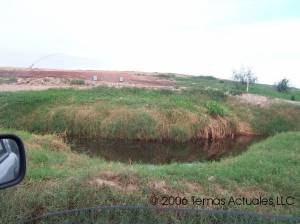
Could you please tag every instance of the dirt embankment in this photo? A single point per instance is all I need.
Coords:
(36, 79)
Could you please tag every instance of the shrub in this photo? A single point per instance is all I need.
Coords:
(77, 82)
(293, 98)
(214, 94)
(282, 86)
(214, 108)
(167, 75)
(235, 92)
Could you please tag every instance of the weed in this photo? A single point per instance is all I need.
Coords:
(214, 108)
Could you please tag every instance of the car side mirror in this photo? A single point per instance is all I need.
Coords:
(12, 161)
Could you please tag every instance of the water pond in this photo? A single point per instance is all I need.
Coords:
(163, 153)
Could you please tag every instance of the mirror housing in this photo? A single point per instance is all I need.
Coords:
(12, 160)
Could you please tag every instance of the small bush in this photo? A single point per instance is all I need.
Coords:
(236, 92)
(293, 98)
(214, 94)
(282, 86)
(167, 75)
(214, 108)
(77, 82)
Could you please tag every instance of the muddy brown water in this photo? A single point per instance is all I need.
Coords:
(164, 153)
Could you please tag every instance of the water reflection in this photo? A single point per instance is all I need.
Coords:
(164, 153)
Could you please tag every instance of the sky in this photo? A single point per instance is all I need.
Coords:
(208, 37)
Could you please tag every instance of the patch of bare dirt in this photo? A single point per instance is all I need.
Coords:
(249, 192)
(159, 185)
(49, 81)
(220, 190)
(162, 187)
(258, 100)
(244, 128)
(125, 183)
(262, 101)
(193, 187)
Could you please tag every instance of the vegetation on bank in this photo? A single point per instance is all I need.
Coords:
(59, 179)
(143, 114)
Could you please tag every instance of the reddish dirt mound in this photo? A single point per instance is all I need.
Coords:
(129, 77)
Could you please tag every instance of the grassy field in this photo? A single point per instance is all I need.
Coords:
(141, 114)
(227, 85)
(59, 179)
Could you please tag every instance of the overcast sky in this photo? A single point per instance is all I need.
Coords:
(209, 37)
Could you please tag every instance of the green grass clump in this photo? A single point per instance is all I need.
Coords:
(214, 108)
(293, 98)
